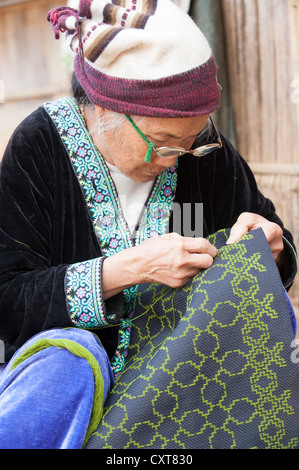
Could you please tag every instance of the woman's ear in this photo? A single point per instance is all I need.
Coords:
(100, 112)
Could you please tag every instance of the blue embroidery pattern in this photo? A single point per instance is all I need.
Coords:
(83, 292)
(83, 280)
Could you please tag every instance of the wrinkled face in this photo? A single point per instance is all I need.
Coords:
(126, 149)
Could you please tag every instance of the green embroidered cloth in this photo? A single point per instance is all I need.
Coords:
(209, 366)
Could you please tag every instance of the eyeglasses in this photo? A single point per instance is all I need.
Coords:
(171, 152)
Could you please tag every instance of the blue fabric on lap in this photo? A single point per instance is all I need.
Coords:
(46, 401)
(291, 312)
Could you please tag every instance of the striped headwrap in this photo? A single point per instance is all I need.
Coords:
(142, 57)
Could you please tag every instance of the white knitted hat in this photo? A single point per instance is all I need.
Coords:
(140, 56)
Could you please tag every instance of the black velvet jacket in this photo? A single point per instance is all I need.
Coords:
(45, 224)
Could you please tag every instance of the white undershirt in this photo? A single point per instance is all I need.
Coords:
(132, 195)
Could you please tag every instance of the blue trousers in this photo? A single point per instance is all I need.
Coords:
(52, 391)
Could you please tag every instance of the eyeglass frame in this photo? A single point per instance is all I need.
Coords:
(204, 149)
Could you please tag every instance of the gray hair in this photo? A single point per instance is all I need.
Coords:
(113, 121)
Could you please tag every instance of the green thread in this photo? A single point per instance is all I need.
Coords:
(151, 146)
(21, 243)
(149, 152)
(80, 351)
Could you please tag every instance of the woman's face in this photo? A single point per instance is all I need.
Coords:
(126, 149)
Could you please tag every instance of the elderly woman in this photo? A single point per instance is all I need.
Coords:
(101, 194)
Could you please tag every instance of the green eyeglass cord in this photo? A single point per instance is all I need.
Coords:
(150, 144)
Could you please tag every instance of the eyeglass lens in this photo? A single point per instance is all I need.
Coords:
(201, 150)
(167, 152)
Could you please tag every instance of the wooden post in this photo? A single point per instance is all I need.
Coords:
(31, 67)
(208, 16)
(262, 38)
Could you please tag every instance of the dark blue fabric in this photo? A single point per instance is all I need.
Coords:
(210, 364)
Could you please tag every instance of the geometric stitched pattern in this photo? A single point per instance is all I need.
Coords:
(209, 365)
(83, 287)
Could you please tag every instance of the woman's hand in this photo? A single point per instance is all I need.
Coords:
(172, 259)
(168, 259)
(249, 221)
